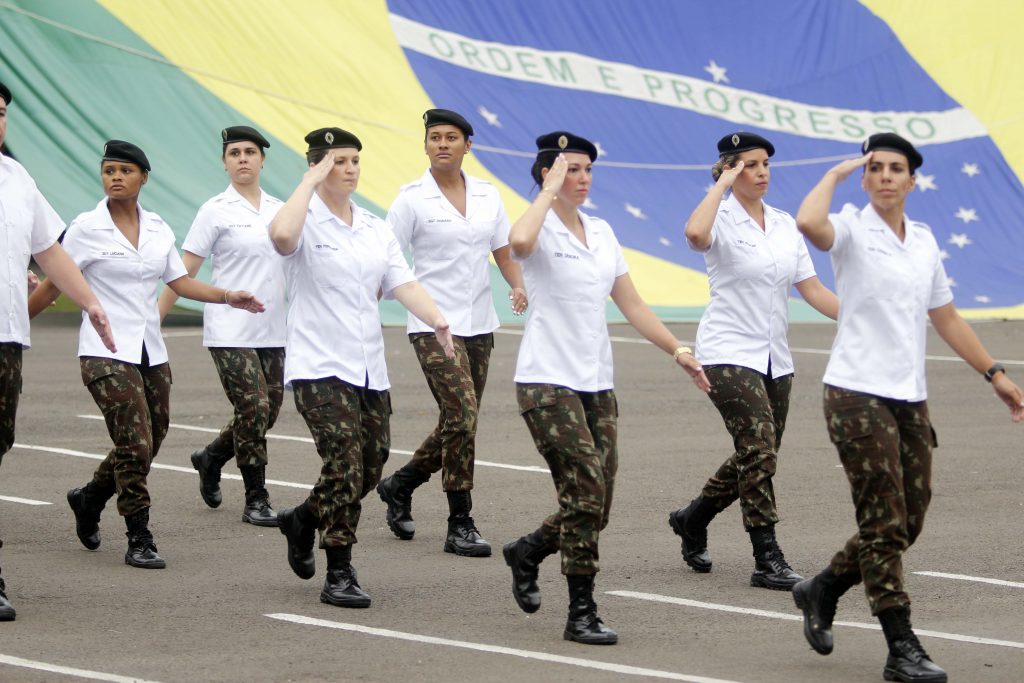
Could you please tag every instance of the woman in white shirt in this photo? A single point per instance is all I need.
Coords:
(124, 251)
(572, 263)
(755, 256)
(248, 352)
(890, 278)
(341, 258)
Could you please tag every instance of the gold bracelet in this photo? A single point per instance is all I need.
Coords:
(680, 351)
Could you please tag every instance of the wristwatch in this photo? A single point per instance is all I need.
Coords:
(991, 372)
(680, 351)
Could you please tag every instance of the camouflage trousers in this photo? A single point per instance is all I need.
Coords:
(576, 432)
(134, 400)
(10, 392)
(457, 385)
(886, 450)
(253, 380)
(351, 427)
(754, 408)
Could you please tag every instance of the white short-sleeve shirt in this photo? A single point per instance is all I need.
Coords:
(450, 251)
(28, 225)
(125, 280)
(235, 234)
(566, 337)
(750, 272)
(886, 288)
(334, 275)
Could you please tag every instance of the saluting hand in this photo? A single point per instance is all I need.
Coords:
(556, 175)
(1010, 394)
(845, 168)
(730, 174)
(98, 318)
(519, 300)
(318, 173)
(246, 301)
(444, 337)
(695, 370)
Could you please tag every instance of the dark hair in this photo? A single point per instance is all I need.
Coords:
(315, 156)
(224, 149)
(723, 161)
(543, 160)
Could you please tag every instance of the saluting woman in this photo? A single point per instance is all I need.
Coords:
(340, 259)
(124, 252)
(755, 256)
(572, 263)
(232, 229)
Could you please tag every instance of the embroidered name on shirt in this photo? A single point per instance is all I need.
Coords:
(879, 251)
(113, 254)
(326, 246)
(574, 257)
(747, 244)
(439, 220)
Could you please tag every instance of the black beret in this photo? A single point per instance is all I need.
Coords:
(742, 141)
(119, 150)
(6, 94)
(441, 117)
(564, 141)
(243, 134)
(331, 138)
(893, 143)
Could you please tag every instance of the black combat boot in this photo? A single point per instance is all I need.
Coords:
(691, 525)
(583, 625)
(907, 660)
(7, 612)
(257, 501)
(87, 503)
(463, 538)
(770, 567)
(341, 587)
(396, 492)
(524, 557)
(818, 598)
(141, 549)
(208, 461)
(299, 525)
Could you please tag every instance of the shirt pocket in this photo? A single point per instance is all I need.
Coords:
(747, 260)
(329, 268)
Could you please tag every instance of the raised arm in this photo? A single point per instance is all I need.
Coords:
(642, 318)
(698, 226)
(169, 297)
(955, 331)
(513, 274)
(286, 228)
(67, 278)
(415, 298)
(812, 218)
(523, 235)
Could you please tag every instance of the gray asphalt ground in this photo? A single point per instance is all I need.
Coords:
(204, 618)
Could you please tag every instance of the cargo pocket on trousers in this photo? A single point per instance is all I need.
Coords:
(533, 396)
(94, 368)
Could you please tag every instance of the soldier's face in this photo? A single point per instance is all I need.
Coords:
(887, 179)
(446, 146)
(345, 174)
(122, 179)
(243, 161)
(752, 182)
(578, 178)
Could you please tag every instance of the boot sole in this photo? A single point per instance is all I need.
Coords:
(355, 603)
(700, 568)
(756, 582)
(475, 552)
(802, 604)
(529, 608)
(604, 640)
(148, 565)
(7, 614)
(395, 529)
(259, 522)
(891, 675)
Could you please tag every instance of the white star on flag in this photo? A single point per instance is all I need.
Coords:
(489, 116)
(717, 72)
(664, 242)
(635, 211)
(926, 182)
(943, 254)
(967, 215)
(587, 204)
(960, 239)
(600, 149)
(950, 282)
(982, 299)
(970, 169)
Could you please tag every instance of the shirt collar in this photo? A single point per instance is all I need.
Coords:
(234, 196)
(322, 214)
(871, 217)
(105, 222)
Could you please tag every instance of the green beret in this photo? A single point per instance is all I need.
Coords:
(6, 94)
(742, 141)
(331, 138)
(893, 143)
(243, 134)
(564, 141)
(441, 117)
(119, 150)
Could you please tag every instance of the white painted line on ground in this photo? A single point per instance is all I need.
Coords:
(183, 333)
(69, 671)
(497, 649)
(977, 579)
(653, 597)
(306, 439)
(24, 501)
